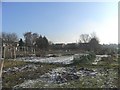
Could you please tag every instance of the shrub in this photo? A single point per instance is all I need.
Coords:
(85, 59)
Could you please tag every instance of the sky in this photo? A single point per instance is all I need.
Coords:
(62, 22)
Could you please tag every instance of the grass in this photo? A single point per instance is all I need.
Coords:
(10, 80)
(12, 63)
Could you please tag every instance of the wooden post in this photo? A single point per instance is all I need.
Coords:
(4, 51)
(14, 52)
(11, 52)
(25, 50)
(34, 50)
(1, 66)
(1, 52)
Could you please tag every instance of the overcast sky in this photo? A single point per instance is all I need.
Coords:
(62, 21)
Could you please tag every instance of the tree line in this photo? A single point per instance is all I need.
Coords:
(31, 40)
(34, 41)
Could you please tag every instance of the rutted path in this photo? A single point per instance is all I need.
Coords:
(60, 60)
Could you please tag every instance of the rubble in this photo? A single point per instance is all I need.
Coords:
(63, 75)
(20, 69)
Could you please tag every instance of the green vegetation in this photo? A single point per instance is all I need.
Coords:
(13, 63)
(85, 59)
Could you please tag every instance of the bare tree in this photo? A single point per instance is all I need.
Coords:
(34, 37)
(28, 38)
(84, 38)
(94, 43)
(93, 35)
(9, 37)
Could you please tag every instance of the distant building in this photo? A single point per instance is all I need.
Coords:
(71, 46)
(58, 46)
